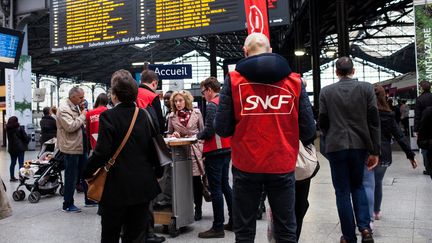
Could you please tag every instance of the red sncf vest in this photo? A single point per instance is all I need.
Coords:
(145, 97)
(267, 133)
(92, 118)
(216, 142)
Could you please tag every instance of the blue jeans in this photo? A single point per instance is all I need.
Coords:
(14, 157)
(217, 168)
(280, 190)
(379, 176)
(347, 169)
(74, 164)
(369, 186)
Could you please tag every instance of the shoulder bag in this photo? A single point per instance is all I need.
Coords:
(96, 184)
(307, 162)
(162, 150)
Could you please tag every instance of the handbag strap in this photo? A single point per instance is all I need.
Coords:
(119, 149)
(150, 119)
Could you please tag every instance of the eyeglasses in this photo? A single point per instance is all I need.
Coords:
(203, 91)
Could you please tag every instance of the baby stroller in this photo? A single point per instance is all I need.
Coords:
(41, 176)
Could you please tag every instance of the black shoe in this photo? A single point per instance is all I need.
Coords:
(426, 173)
(228, 227)
(13, 179)
(211, 233)
(367, 236)
(155, 239)
(198, 215)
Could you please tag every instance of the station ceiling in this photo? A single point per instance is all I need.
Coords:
(98, 64)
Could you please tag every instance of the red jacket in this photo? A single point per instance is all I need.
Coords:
(216, 142)
(267, 131)
(145, 97)
(92, 124)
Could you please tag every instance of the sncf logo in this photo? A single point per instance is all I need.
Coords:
(265, 99)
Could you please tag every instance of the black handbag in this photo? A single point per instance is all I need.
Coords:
(206, 189)
(162, 150)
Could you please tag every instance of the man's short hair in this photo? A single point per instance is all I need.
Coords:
(46, 111)
(123, 85)
(344, 66)
(211, 82)
(425, 85)
(257, 43)
(75, 90)
(147, 76)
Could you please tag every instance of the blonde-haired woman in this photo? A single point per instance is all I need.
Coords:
(185, 121)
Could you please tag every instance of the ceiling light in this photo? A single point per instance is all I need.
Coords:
(142, 45)
(299, 52)
(330, 53)
(138, 63)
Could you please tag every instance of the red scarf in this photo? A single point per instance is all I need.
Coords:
(184, 116)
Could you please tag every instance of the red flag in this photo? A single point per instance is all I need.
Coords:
(257, 17)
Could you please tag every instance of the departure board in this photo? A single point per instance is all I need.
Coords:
(81, 24)
(9, 48)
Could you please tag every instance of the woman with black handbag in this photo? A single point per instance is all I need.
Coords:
(131, 182)
(17, 144)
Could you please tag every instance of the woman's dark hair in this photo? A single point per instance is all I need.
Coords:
(123, 85)
(381, 98)
(101, 100)
(211, 82)
(46, 111)
(12, 122)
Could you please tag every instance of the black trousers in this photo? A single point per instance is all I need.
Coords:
(301, 203)
(280, 190)
(133, 220)
(198, 193)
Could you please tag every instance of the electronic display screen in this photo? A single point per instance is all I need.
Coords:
(81, 24)
(10, 47)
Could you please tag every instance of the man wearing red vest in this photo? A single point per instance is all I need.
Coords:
(147, 97)
(217, 153)
(265, 108)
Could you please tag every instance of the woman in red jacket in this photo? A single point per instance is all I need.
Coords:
(92, 119)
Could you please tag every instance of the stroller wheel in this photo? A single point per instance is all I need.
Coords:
(18, 195)
(34, 197)
(61, 190)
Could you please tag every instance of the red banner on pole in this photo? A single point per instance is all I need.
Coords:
(257, 17)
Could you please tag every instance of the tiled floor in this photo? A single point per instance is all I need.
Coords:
(406, 209)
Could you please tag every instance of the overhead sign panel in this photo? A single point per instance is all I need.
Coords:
(178, 71)
(80, 24)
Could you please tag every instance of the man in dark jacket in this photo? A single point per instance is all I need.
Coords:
(265, 108)
(425, 137)
(422, 102)
(48, 126)
(350, 122)
(217, 154)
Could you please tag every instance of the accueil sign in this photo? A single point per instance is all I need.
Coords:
(179, 71)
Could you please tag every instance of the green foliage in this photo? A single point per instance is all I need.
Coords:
(22, 106)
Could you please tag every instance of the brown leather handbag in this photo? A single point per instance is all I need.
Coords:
(96, 184)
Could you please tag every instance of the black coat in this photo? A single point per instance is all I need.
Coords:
(17, 139)
(424, 140)
(423, 101)
(48, 128)
(132, 179)
(389, 129)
